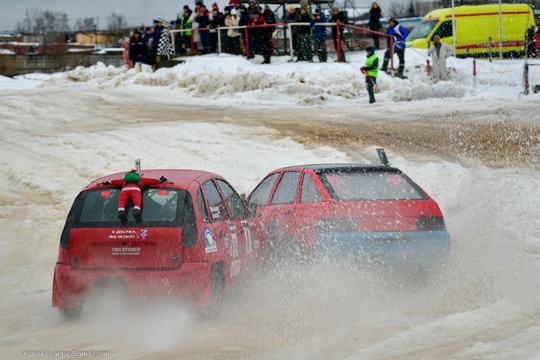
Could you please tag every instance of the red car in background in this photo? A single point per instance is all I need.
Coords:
(375, 213)
(194, 239)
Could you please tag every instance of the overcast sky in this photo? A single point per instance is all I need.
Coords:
(136, 12)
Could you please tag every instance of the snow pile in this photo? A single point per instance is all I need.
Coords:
(235, 80)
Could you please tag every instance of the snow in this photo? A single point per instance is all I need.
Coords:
(228, 80)
(61, 131)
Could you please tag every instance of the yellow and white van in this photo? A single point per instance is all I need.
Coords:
(475, 26)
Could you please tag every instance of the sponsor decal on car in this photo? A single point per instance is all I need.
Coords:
(130, 251)
(210, 244)
(234, 248)
(121, 234)
(249, 239)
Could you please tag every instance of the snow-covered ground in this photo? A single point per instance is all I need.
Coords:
(60, 131)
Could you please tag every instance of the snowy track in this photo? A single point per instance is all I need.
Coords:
(56, 140)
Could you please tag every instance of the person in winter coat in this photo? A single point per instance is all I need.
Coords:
(236, 38)
(439, 52)
(184, 23)
(304, 38)
(338, 17)
(138, 49)
(371, 70)
(217, 20)
(292, 16)
(156, 37)
(399, 34)
(270, 19)
(203, 20)
(319, 35)
(259, 40)
(374, 23)
(529, 42)
(125, 54)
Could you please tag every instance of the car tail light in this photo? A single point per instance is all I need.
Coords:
(430, 223)
(336, 225)
(63, 256)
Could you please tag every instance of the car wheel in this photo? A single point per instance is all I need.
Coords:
(72, 313)
(217, 292)
(217, 286)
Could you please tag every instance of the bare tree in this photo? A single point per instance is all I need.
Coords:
(412, 9)
(397, 10)
(39, 21)
(117, 24)
(86, 24)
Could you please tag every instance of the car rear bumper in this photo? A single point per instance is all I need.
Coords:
(392, 248)
(191, 281)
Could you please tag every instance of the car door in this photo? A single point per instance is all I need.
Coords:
(314, 204)
(247, 230)
(229, 238)
(283, 226)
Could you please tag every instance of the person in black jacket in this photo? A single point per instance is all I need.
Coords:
(138, 49)
(530, 43)
(374, 24)
(304, 38)
(341, 17)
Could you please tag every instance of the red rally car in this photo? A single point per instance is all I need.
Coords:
(374, 213)
(193, 238)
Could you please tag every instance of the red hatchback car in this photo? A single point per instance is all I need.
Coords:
(371, 212)
(192, 238)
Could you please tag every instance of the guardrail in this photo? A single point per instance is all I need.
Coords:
(287, 35)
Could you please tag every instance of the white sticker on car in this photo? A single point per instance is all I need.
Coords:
(125, 251)
(249, 239)
(235, 267)
(210, 244)
(234, 247)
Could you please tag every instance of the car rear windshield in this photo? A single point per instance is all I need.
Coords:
(353, 185)
(160, 207)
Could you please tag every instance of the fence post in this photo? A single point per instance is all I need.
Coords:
(290, 40)
(490, 47)
(338, 41)
(526, 78)
(247, 43)
(219, 39)
(392, 54)
(474, 74)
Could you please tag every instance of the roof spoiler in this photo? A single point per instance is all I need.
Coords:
(382, 156)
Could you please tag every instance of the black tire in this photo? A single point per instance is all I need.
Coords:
(217, 292)
(71, 313)
(217, 287)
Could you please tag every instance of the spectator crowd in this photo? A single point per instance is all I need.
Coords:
(198, 33)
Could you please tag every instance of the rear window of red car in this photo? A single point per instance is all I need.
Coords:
(100, 207)
(356, 185)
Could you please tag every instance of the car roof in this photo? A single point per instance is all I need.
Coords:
(179, 177)
(340, 166)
